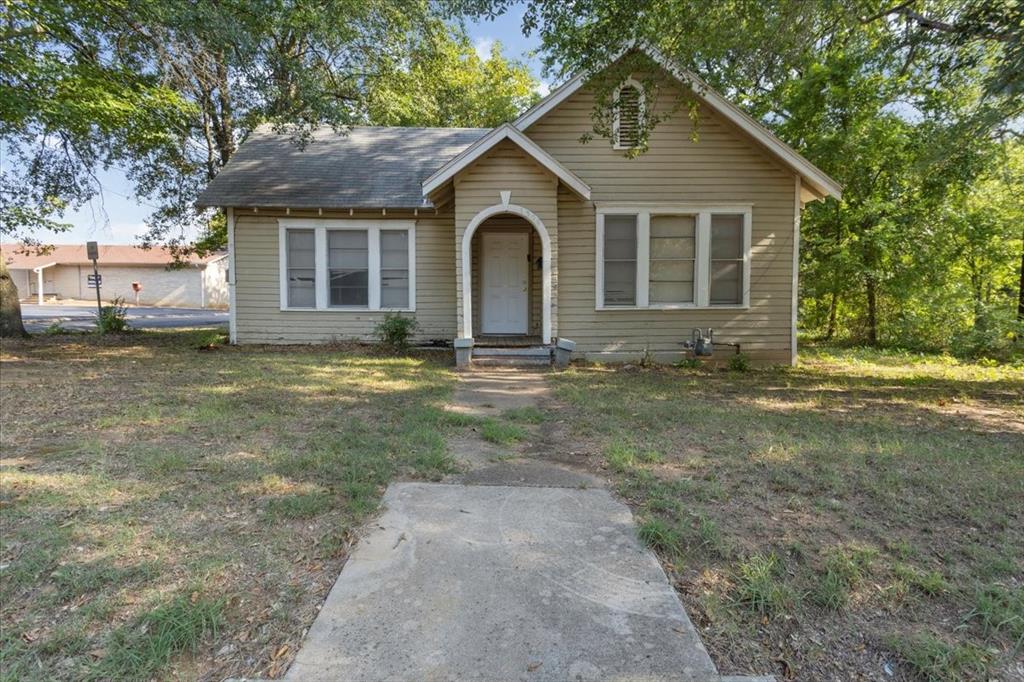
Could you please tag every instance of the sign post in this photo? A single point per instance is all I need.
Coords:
(92, 250)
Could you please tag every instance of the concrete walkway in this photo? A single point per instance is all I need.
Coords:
(502, 583)
(520, 567)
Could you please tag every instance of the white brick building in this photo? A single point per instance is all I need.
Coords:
(62, 273)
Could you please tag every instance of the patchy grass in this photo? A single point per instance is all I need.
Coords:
(139, 476)
(501, 432)
(802, 509)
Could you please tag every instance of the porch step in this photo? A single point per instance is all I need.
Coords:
(533, 356)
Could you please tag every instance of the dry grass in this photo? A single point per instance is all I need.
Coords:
(173, 512)
(859, 514)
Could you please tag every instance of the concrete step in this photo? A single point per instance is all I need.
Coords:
(532, 356)
(528, 351)
(511, 361)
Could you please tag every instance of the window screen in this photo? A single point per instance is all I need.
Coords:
(726, 259)
(301, 247)
(673, 252)
(348, 267)
(619, 260)
(394, 269)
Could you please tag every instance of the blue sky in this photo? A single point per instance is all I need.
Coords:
(117, 218)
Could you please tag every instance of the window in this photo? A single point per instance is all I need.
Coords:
(620, 260)
(672, 257)
(301, 272)
(394, 268)
(349, 267)
(726, 259)
(628, 118)
(347, 264)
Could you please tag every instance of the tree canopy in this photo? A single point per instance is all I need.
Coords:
(167, 89)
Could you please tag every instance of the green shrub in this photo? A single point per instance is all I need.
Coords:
(113, 318)
(395, 330)
(739, 363)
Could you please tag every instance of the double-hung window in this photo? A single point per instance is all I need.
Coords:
(347, 264)
(669, 257)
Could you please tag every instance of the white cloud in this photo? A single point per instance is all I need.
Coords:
(544, 88)
(483, 46)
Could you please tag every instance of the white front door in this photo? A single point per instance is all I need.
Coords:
(505, 274)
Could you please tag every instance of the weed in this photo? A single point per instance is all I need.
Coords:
(759, 585)
(140, 649)
(740, 362)
(113, 318)
(527, 415)
(999, 609)
(935, 659)
(661, 536)
(502, 433)
(301, 506)
(929, 582)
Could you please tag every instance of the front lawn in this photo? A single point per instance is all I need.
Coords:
(175, 510)
(860, 516)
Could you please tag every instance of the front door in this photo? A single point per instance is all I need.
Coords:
(505, 273)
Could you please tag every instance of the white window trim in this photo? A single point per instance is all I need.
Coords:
(702, 264)
(320, 227)
(641, 118)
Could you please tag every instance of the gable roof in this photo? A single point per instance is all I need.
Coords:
(19, 257)
(367, 167)
(488, 142)
(811, 174)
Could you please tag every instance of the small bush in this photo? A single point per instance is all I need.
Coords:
(113, 318)
(739, 363)
(395, 330)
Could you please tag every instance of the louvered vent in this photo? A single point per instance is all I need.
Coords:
(628, 119)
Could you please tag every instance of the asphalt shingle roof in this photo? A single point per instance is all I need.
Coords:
(369, 167)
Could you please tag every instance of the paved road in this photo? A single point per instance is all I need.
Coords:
(83, 318)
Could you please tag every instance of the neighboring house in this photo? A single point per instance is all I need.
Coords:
(62, 273)
(525, 232)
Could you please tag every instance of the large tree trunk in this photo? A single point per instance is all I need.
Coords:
(10, 307)
(872, 311)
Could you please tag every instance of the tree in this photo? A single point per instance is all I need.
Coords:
(167, 89)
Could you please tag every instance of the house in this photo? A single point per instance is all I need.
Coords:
(527, 233)
(62, 272)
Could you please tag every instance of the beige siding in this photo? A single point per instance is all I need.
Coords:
(259, 315)
(506, 167)
(721, 167)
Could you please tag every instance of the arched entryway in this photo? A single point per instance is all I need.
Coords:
(468, 322)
